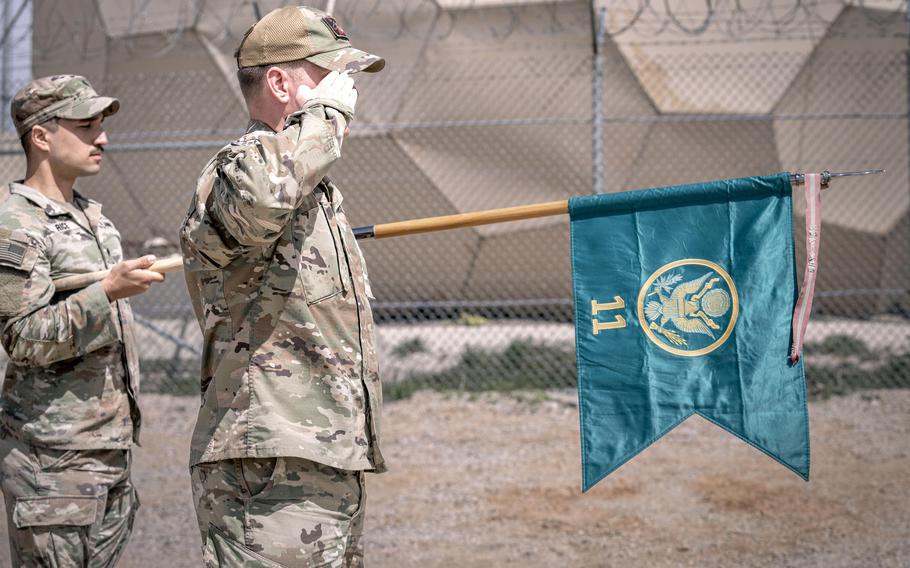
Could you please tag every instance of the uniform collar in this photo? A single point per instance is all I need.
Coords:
(51, 207)
(54, 208)
(85, 203)
(256, 125)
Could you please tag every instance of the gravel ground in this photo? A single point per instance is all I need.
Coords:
(493, 480)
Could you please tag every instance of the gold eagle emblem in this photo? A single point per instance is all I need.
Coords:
(688, 307)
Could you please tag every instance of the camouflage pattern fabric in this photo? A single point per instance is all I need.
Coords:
(300, 32)
(58, 96)
(271, 512)
(277, 281)
(66, 507)
(73, 374)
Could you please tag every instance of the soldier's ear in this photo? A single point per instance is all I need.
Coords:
(278, 85)
(38, 138)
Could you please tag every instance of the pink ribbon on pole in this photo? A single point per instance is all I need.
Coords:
(813, 239)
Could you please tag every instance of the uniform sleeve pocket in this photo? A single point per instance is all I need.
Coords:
(77, 511)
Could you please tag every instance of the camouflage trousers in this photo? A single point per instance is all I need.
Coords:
(66, 507)
(272, 512)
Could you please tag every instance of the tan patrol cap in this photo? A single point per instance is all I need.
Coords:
(58, 96)
(292, 33)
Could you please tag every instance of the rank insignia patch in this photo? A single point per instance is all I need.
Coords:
(336, 29)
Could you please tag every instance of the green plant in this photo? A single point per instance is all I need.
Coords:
(468, 319)
(833, 380)
(168, 376)
(409, 347)
(522, 365)
(841, 345)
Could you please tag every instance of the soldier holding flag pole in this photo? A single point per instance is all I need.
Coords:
(69, 412)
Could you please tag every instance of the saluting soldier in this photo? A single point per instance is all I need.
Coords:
(290, 387)
(69, 411)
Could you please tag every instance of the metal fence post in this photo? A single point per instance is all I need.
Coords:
(8, 75)
(597, 103)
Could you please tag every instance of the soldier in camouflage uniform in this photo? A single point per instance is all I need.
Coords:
(290, 387)
(68, 413)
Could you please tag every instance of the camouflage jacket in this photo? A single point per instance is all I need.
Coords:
(278, 284)
(73, 374)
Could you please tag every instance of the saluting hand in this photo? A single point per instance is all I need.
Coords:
(130, 278)
(335, 86)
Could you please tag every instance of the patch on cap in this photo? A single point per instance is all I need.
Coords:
(336, 29)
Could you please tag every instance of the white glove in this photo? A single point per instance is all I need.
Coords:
(334, 87)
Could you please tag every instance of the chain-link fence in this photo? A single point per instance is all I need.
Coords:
(493, 104)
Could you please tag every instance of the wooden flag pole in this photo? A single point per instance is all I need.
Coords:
(446, 222)
(425, 225)
(171, 263)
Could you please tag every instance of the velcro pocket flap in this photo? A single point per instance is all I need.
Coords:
(74, 511)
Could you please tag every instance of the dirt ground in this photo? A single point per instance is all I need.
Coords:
(493, 480)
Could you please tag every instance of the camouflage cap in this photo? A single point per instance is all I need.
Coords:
(58, 96)
(292, 33)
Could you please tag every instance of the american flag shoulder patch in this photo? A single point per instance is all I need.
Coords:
(12, 253)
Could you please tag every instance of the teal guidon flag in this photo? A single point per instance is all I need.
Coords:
(684, 300)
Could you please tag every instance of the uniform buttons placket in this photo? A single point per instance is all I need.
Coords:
(367, 403)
